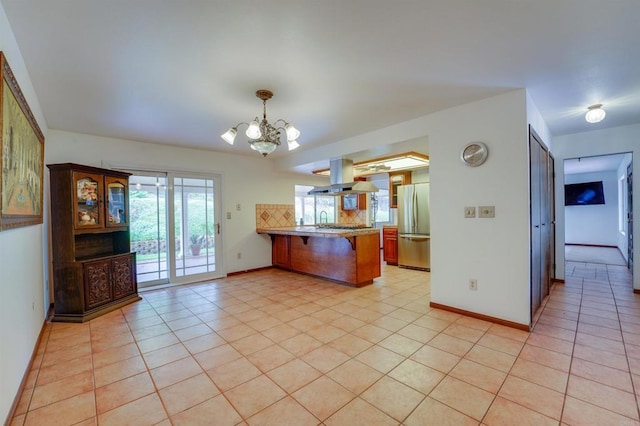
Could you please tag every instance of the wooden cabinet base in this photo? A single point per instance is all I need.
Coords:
(390, 245)
(350, 260)
(89, 315)
(86, 289)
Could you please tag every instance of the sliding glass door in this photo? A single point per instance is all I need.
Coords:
(195, 226)
(175, 227)
(148, 207)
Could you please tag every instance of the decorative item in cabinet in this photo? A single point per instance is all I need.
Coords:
(390, 245)
(117, 203)
(91, 210)
(395, 180)
(94, 268)
(89, 195)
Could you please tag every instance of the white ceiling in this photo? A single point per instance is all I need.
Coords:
(182, 72)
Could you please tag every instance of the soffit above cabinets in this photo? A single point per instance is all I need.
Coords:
(389, 164)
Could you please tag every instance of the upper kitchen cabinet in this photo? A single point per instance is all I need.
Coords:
(397, 179)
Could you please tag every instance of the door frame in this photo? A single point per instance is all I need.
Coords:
(169, 174)
(629, 183)
(630, 215)
(171, 256)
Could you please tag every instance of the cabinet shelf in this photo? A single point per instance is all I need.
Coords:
(395, 180)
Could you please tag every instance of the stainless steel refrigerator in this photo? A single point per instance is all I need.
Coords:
(414, 234)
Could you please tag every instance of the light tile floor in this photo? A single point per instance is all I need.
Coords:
(277, 348)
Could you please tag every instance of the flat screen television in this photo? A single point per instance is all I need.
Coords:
(583, 194)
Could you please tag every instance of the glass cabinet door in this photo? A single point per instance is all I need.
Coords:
(117, 214)
(396, 180)
(88, 205)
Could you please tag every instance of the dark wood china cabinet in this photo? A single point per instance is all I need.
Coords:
(94, 270)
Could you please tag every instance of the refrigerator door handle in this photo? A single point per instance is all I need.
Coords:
(415, 237)
(415, 211)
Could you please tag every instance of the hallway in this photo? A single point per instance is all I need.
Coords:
(272, 347)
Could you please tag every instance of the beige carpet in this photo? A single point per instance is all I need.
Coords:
(587, 254)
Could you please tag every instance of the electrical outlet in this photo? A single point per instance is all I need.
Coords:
(239, 255)
(238, 207)
(469, 212)
(228, 215)
(473, 284)
(487, 211)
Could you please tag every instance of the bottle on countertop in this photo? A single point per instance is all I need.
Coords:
(301, 221)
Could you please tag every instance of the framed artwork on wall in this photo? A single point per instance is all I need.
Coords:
(21, 156)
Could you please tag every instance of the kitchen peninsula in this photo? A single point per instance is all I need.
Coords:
(344, 254)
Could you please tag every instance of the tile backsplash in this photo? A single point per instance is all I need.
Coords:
(352, 217)
(275, 215)
(278, 215)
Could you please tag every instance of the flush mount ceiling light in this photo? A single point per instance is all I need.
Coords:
(390, 164)
(264, 137)
(595, 114)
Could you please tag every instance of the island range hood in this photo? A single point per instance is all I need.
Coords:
(342, 183)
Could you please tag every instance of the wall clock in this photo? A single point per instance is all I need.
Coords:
(474, 154)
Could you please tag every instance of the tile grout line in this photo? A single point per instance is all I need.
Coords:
(93, 374)
(148, 371)
(573, 348)
(221, 393)
(624, 345)
(622, 336)
(35, 380)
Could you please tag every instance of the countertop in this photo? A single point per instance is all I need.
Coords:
(312, 231)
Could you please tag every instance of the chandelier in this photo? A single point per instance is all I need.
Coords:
(264, 137)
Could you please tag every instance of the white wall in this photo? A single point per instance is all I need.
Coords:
(593, 224)
(597, 142)
(22, 296)
(495, 252)
(245, 180)
(420, 175)
(535, 120)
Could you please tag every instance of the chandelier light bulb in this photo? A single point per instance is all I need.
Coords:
(293, 145)
(595, 114)
(230, 135)
(253, 132)
(292, 132)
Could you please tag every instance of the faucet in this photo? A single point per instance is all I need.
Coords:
(326, 215)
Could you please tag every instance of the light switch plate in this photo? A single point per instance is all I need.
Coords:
(469, 212)
(487, 211)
